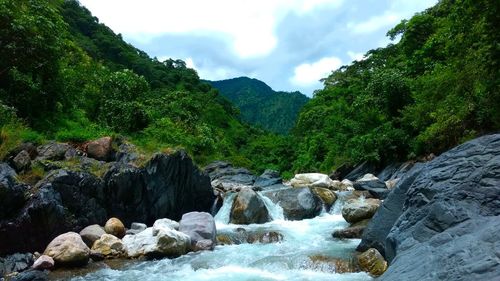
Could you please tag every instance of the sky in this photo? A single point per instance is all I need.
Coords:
(289, 44)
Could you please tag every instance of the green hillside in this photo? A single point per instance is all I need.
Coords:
(260, 105)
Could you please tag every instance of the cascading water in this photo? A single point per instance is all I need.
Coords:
(294, 258)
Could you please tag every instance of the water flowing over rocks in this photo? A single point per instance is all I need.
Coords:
(297, 203)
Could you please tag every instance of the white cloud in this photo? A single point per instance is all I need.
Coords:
(249, 24)
(310, 73)
(356, 56)
(375, 23)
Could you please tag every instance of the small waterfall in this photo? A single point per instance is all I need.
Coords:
(275, 210)
(225, 211)
(336, 209)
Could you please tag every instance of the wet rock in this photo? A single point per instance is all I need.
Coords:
(311, 180)
(268, 179)
(12, 193)
(327, 196)
(15, 263)
(265, 237)
(100, 149)
(450, 217)
(115, 227)
(159, 241)
(372, 184)
(200, 227)
(297, 203)
(355, 210)
(372, 262)
(52, 151)
(355, 231)
(68, 249)
(248, 208)
(331, 265)
(31, 275)
(109, 246)
(92, 233)
(228, 178)
(22, 161)
(43, 262)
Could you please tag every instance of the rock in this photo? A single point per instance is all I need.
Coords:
(43, 262)
(200, 227)
(327, 264)
(327, 196)
(375, 234)
(372, 262)
(228, 178)
(100, 149)
(53, 151)
(164, 223)
(265, 237)
(451, 217)
(395, 171)
(68, 249)
(340, 173)
(361, 170)
(22, 161)
(126, 153)
(109, 246)
(268, 179)
(391, 183)
(248, 208)
(297, 203)
(355, 210)
(375, 186)
(12, 193)
(31, 275)
(311, 180)
(161, 242)
(15, 263)
(136, 228)
(92, 233)
(354, 231)
(115, 227)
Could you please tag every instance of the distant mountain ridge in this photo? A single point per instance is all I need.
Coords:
(260, 105)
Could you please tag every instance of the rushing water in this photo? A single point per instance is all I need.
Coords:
(285, 260)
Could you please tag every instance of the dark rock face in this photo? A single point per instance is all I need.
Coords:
(451, 217)
(395, 171)
(340, 173)
(297, 203)
(248, 208)
(381, 223)
(361, 170)
(12, 194)
(376, 187)
(226, 177)
(15, 263)
(268, 179)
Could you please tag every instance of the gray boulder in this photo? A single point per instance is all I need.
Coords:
(52, 151)
(372, 184)
(92, 233)
(268, 179)
(297, 203)
(356, 210)
(22, 161)
(200, 227)
(226, 177)
(248, 207)
(451, 217)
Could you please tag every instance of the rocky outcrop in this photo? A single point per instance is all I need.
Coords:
(226, 177)
(450, 216)
(12, 193)
(200, 227)
(372, 184)
(248, 208)
(355, 210)
(115, 227)
(68, 249)
(92, 233)
(297, 203)
(268, 180)
(361, 170)
(53, 151)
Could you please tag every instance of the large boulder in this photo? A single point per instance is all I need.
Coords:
(22, 161)
(451, 217)
(100, 149)
(200, 227)
(248, 207)
(228, 178)
(68, 249)
(375, 234)
(115, 227)
(297, 203)
(136, 227)
(53, 151)
(15, 263)
(12, 193)
(355, 210)
(311, 180)
(326, 195)
(92, 233)
(372, 184)
(268, 179)
(109, 246)
(157, 241)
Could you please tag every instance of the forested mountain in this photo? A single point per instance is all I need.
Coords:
(437, 87)
(260, 105)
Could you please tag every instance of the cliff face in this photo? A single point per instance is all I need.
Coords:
(442, 221)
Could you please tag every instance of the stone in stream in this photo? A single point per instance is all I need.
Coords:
(267, 180)
(68, 249)
(248, 207)
(354, 231)
(228, 178)
(327, 264)
(372, 262)
(355, 210)
(115, 227)
(297, 203)
(92, 233)
(327, 196)
(201, 229)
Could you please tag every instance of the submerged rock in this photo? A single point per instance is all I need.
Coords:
(31, 275)
(68, 249)
(331, 265)
(249, 208)
(201, 229)
(355, 210)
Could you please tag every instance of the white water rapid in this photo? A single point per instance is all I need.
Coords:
(285, 260)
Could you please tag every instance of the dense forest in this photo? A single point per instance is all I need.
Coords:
(65, 76)
(260, 105)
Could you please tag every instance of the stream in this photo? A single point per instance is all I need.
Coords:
(288, 259)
